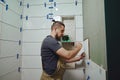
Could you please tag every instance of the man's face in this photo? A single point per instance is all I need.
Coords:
(60, 32)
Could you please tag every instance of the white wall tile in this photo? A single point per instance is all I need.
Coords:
(64, 1)
(68, 9)
(1, 11)
(10, 33)
(31, 62)
(94, 71)
(35, 11)
(11, 17)
(14, 75)
(37, 23)
(79, 34)
(14, 5)
(31, 48)
(70, 28)
(78, 63)
(86, 49)
(35, 35)
(79, 21)
(9, 48)
(47, 1)
(72, 74)
(34, 2)
(31, 74)
(8, 65)
(63, 9)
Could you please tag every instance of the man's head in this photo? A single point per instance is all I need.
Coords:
(58, 29)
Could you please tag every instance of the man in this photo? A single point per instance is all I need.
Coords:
(54, 56)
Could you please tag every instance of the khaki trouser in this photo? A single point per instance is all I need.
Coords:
(58, 75)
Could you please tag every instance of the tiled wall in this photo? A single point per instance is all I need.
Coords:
(20, 47)
(36, 27)
(10, 35)
(94, 72)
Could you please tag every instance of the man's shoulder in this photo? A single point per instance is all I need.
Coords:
(49, 39)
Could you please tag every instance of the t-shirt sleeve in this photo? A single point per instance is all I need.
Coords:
(54, 45)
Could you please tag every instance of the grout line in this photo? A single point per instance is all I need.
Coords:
(30, 68)
(79, 27)
(31, 42)
(37, 16)
(14, 12)
(7, 57)
(8, 40)
(8, 73)
(9, 24)
(38, 29)
(45, 16)
(30, 55)
(50, 3)
(4, 5)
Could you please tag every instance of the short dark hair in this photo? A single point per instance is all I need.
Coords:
(57, 24)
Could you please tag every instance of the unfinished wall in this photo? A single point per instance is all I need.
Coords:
(94, 30)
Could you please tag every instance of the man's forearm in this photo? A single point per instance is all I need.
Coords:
(74, 59)
(73, 52)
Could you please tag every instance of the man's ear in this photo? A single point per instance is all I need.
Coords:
(56, 29)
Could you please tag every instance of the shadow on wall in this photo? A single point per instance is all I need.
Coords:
(79, 69)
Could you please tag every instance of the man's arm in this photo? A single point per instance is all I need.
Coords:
(76, 58)
(69, 54)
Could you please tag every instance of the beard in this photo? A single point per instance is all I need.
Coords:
(58, 38)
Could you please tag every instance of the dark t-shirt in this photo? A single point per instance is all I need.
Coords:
(48, 53)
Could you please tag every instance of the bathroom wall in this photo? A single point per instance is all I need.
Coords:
(25, 23)
(10, 38)
(36, 26)
(94, 31)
